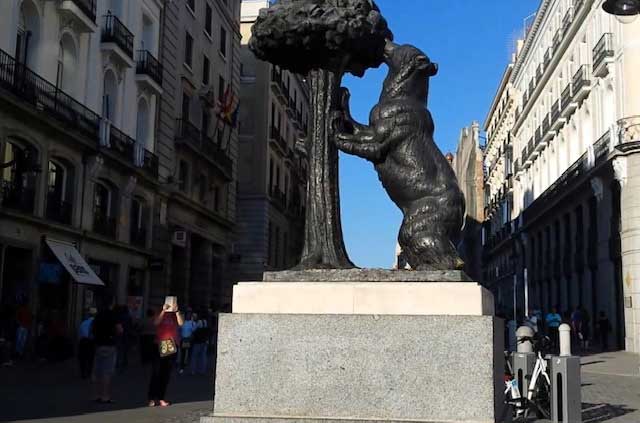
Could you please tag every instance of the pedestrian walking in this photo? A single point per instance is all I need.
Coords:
(200, 346)
(86, 345)
(186, 334)
(105, 330)
(24, 319)
(168, 323)
(554, 320)
(603, 326)
(576, 327)
(147, 337)
(123, 341)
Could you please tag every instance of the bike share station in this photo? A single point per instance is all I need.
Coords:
(563, 372)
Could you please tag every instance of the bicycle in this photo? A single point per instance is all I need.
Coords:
(538, 392)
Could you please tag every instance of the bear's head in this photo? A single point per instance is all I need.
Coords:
(409, 71)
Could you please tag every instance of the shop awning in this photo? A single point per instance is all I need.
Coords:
(73, 262)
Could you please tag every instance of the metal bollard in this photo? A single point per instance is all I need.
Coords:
(565, 340)
(566, 396)
(524, 332)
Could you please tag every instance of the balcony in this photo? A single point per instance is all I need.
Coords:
(46, 98)
(17, 197)
(58, 210)
(629, 128)
(149, 71)
(81, 12)
(291, 109)
(601, 147)
(581, 84)
(539, 73)
(150, 163)
(548, 55)
(557, 121)
(567, 21)
(122, 145)
(138, 237)
(117, 39)
(547, 132)
(187, 135)
(539, 141)
(603, 55)
(104, 225)
(557, 40)
(278, 140)
(568, 106)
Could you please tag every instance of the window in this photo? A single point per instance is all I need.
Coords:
(205, 70)
(191, 4)
(59, 193)
(273, 115)
(188, 50)
(186, 102)
(109, 96)
(18, 180)
(60, 70)
(104, 210)
(278, 177)
(208, 20)
(223, 42)
(270, 175)
(137, 230)
(216, 198)
(221, 87)
(202, 188)
(183, 176)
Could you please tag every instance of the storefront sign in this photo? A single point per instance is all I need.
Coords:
(73, 262)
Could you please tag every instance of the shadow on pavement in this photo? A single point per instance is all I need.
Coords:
(44, 390)
(597, 413)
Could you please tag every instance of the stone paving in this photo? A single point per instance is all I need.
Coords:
(46, 393)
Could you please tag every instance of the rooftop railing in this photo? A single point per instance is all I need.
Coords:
(115, 31)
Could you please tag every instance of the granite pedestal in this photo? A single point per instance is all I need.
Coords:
(358, 366)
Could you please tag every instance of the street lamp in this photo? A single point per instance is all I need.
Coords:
(625, 11)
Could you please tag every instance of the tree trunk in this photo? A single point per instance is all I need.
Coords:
(324, 244)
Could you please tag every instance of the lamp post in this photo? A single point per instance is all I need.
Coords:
(625, 11)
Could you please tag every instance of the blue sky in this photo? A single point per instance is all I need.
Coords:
(471, 40)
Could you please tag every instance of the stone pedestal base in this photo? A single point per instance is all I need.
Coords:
(372, 363)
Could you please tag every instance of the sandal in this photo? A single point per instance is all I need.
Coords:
(152, 403)
(164, 403)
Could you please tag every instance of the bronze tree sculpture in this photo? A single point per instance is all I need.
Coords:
(323, 39)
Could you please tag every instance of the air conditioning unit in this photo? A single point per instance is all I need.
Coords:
(179, 238)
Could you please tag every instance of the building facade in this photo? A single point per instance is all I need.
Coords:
(468, 166)
(79, 90)
(561, 224)
(198, 146)
(273, 166)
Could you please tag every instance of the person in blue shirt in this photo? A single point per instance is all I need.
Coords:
(86, 346)
(554, 320)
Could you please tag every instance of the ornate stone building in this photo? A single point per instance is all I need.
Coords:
(198, 147)
(468, 165)
(272, 164)
(563, 156)
(79, 90)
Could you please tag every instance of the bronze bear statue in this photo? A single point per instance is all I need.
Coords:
(417, 177)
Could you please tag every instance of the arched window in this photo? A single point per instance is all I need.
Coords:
(60, 180)
(28, 33)
(19, 165)
(138, 222)
(105, 209)
(110, 96)
(67, 65)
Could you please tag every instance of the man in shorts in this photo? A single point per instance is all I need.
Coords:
(105, 330)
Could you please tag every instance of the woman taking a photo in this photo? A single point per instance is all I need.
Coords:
(167, 324)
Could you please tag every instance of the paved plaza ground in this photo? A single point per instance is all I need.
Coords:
(48, 393)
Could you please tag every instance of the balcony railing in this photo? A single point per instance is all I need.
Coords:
(104, 225)
(45, 97)
(17, 197)
(539, 72)
(58, 210)
(138, 236)
(629, 128)
(122, 144)
(601, 147)
(566, 97)
(557, 40)
(115, 31)
(555, 111)
(88, 7)
(279, 139)
(187, 133)
(149, 65)
(548, 55)
(581, 80)
(151, 163)
(602, 51)
(278, 197)
(567, 21)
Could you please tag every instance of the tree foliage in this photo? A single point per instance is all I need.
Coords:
(335, 35)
